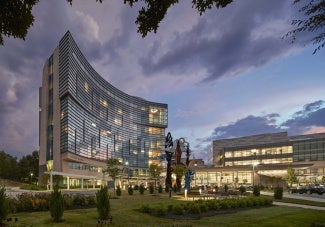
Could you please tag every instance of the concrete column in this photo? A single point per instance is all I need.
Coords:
(82, 183)
(94, 183)
(51, 181)
(68, 183)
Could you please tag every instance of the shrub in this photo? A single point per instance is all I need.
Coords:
(256, 190)
(145, 208)
(212, 204)
(242, 203)
(242, 190)
(68, 201)
(118, 190)
(91, 200)
(130, 190)
(56, 204)
(249, 202)
(79, 200)
(195, 208)
(160, 189)
(224, 204)
(141, 189)
(278, 192)
(136, 187)
(103, 205)
(151, 189)
(226, 187)
(160, 210)
(25, 202)
(178, 209)
(203, 207)
(4, 204)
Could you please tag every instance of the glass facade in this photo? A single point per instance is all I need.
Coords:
(262, 158)
(258, 155)
(97, 121)
(309, 150)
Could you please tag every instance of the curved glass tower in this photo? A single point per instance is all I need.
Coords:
(84, 121)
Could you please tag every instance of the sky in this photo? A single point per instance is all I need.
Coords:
(225, 74)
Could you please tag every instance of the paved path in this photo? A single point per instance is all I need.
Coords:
(298, 205)
(314, 197)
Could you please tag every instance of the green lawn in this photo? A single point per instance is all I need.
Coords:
(125, 214)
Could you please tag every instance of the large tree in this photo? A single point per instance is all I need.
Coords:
(28, 167)
(8, 166)
(113, 169)
(155, 172)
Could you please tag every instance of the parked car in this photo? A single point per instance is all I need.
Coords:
(315, 189)
(299, 189)
(310, 189)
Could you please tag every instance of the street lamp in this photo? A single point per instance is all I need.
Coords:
(195, 165)
(31, 177)
(254, 165)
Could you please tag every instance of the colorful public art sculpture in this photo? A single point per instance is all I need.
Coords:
(175, 149)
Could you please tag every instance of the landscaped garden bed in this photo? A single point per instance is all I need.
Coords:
(204, 208)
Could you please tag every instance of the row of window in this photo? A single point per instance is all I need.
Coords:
(257, 152)
(256, 162)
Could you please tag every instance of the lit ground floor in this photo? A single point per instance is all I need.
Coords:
(266, 175)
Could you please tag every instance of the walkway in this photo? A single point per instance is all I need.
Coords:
(298, 205)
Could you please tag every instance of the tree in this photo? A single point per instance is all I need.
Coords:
(155, 172)
(291, 176)
(4, 205)
(179, 171)
(28, 165)
(113, 169)
(312, 22)
(8, 166)
(16, 17)
(56, 204)
(103, 205)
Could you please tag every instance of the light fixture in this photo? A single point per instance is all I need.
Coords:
(154, 110)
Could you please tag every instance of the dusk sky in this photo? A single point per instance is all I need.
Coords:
(225, 74)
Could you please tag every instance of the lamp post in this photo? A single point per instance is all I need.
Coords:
(31, 177)
(254, 165)
(195, 165)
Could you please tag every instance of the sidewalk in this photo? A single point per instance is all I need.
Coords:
(294, 196)
(298, 205)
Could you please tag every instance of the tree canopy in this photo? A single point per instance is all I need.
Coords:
(12, 169)
(313, 22)
(16, 18)
(291, 176)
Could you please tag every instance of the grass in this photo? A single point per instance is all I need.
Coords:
(124, 212)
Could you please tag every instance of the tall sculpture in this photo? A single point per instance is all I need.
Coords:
(169, 155)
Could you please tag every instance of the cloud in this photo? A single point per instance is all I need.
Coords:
(249, 125)
(225, 42)
(310, 117)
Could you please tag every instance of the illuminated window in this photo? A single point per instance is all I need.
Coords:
(103, 102)
(156, 131)
(86, 87)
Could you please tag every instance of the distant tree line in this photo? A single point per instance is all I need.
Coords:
(24, 170)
